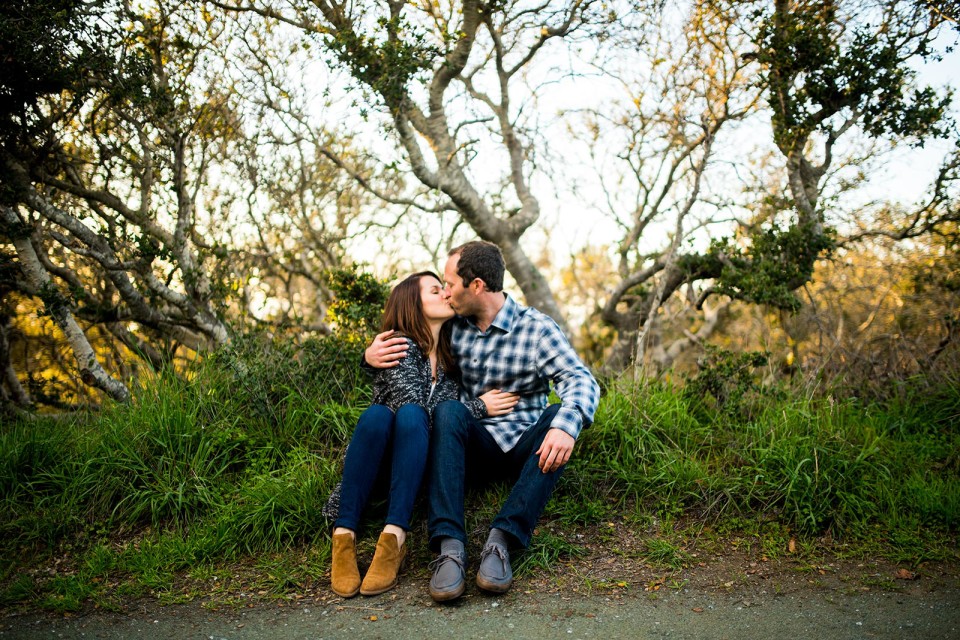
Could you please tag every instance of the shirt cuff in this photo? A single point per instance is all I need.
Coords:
(367, 368)
(477, 408)
(569, 420)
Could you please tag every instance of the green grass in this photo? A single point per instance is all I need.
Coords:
(663, 553)
(818, 465)
(232, 463)
(545, 550)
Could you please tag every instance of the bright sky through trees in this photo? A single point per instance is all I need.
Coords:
(178, 171)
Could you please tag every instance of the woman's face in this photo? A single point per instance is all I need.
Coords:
(435, 305)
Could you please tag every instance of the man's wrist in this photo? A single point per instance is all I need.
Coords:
(567, 423)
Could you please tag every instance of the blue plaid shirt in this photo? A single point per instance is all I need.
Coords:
(521, 352)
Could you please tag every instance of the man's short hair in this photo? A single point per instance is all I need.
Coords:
(482, 260)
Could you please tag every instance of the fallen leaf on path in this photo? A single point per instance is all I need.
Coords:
(654, 585)
(698, 609)
(906, 574)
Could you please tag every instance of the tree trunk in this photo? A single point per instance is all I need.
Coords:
(10, 382)
(91, 371)
(531, 282)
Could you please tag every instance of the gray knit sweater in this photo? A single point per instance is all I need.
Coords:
(409, 383)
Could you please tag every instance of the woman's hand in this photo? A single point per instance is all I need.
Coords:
(499, 403)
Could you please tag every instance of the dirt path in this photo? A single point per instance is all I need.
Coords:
(733, 597)
(408, 615)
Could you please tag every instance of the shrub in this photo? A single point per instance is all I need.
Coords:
(727, 380)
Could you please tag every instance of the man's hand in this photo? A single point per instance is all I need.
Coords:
(386, 352)
(555, 450)
(499, 402)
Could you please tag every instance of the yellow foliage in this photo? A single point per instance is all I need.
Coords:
(47, 367)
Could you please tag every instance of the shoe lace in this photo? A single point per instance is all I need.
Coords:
(494, 549)
(443, 558)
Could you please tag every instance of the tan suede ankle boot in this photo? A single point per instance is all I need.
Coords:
(344, 574)
(387, 561)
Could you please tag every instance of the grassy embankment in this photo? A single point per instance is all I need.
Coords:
(232, 465)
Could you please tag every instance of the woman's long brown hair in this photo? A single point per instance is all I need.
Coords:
(403, 313)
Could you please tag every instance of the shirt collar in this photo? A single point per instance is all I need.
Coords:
(508, 315)
(506, 319)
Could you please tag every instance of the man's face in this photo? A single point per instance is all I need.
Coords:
(458, 297)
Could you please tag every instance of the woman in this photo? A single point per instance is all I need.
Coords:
(395, 429)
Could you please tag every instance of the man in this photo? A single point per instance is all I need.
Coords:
(511, 353)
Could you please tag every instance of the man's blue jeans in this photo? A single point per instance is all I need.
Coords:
(460, 446)
(402, 439)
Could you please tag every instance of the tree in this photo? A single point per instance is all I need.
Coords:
(654, 155)
(126, 150)
(447, 77)
(298, 206)
(826, 71)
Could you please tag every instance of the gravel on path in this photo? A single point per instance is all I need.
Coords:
(408, 612)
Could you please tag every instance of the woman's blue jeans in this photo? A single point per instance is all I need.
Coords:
(400, 439)
(461, 448)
